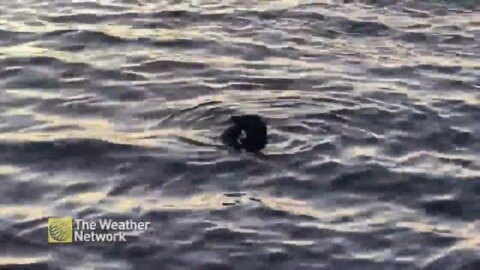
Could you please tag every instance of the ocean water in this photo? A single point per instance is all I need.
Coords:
(113, 109)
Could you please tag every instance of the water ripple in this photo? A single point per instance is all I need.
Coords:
(111, 109)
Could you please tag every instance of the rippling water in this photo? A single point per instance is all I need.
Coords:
(111, 109)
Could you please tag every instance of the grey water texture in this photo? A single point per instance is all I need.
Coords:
(113, 110)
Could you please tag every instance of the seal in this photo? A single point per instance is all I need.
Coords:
(252, 127)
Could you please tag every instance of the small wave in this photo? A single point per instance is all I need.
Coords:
(88, 18)
(63, 148)
(365, 28)
(86, 37)
(167, 65)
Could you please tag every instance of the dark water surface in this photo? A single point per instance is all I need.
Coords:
(109, 109)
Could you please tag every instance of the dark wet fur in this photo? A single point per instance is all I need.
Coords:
(255, 129)
(230, 137)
